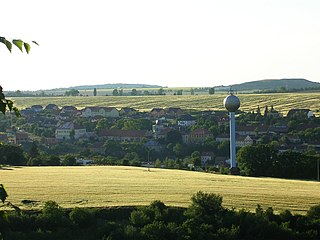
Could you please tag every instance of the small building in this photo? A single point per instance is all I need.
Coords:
(52, 107)
(127, 111)
(186, 120)
(199, 135)
(36, 108)
(173, 112)
(20, 137)
(242, 141)
(69, 130)
(124, 135)
(157, 112)
(100, 111)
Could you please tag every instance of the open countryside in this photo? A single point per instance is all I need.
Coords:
(103, 186)
(283, 102)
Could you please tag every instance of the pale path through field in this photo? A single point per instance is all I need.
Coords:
(98, 186)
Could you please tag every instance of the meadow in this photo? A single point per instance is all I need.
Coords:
(100, 186)
(282, 102)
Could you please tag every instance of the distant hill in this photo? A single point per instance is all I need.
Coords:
(111, 86)
(274, 84)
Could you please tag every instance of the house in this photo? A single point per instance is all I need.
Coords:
(157, 112)
(158, 127)
(278, 130)
(299, 112)
(223, 137)
(20, 137)
(242, 141)
(36, 108)
(127, 111)
(173, 112)
(252, 130)
(100, 111)
(206, 157)
(221, 117)
(69, 130)
(153, 145)
(69, 109)
(199, 135)
(124, 135)
(186, 120)
(52, 107)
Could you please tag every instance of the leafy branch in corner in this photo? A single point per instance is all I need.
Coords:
(18, 43)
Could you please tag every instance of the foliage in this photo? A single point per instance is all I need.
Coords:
(6, 104)
(72, 92)
(12, 155)
(265, 160)
(3, 193)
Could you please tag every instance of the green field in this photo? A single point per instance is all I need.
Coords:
(280, 101)
(97, 186)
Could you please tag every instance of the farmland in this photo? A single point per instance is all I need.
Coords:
(99, 186)
(280, 101)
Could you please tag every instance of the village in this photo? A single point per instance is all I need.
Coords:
(169, 137)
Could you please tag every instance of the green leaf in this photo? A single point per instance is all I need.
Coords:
(27, 47)
(35, 43)
(10, 105)
(3, 193)
(16, 111)
(18, 43)
(6, 42)
(3, 107)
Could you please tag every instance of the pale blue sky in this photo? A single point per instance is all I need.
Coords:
(170, 43)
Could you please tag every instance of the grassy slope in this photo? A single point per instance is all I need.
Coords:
(117, 186)
(281, 102)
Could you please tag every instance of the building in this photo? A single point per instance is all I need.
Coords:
(127, 111)
(69, 130)
(186, 120)
(124, 135)
(199, 135)
(20, 137)
(100, 111)
(157, 112)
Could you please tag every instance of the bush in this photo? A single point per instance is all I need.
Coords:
(82, 217)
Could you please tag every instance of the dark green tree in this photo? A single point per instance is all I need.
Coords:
(94, 92)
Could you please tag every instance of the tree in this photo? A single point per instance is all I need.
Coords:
(94, 92)
(115, 92)
(34, 151)
(192, 91)
(179, 92)
(211, 91)
(134, 92)
(5, 103)
(196, 158)
(161, 91)
(69, 160)
(256, 160)
(72, 92)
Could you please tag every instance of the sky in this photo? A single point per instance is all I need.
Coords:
(169, 42)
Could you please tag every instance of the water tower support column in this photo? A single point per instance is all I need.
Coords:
(232, 141)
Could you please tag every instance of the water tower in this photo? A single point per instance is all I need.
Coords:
(232, 103)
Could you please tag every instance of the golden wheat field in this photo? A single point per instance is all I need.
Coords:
(282, 102)
(97, 186)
